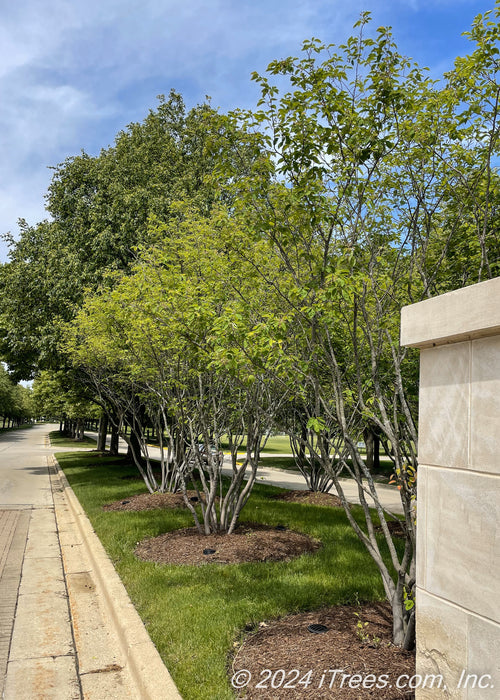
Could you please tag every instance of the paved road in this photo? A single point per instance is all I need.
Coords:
(24, 477)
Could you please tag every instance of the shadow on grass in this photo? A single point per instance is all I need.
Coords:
(59, 440)
(14, 434)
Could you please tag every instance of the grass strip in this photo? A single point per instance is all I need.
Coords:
(57, 439)
(23, 426)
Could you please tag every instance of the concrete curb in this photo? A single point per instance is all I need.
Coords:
(151, 677)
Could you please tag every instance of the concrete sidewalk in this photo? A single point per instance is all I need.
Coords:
(67, 627)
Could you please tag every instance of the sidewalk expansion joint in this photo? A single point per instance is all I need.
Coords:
(70, 655)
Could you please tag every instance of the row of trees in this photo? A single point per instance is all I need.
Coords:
(58, 394)
(226, 275)
(16, 405)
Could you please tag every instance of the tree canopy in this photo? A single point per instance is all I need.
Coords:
(100, 209)
(16, 402)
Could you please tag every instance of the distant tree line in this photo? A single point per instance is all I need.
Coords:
(16, 406)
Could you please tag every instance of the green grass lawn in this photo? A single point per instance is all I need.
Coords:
(194, 614)
(279, 444)
(385, 471)
(59, 440)
(279, 463)
(24, 426)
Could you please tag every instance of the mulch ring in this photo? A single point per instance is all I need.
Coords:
(286, 660)
(315, 498)
(250, 542)
(152, 501)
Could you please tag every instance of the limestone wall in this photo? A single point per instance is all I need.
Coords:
(458, 506)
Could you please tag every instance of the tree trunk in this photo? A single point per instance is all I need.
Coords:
(134, 445)
(376, 453)
(372, 443)
(113, 448)
(102, 432)
(80, 429)
(369, 444)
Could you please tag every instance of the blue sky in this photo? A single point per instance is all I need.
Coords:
(72, 74)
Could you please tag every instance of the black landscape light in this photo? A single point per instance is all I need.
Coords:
(317, 629)
(209, 551)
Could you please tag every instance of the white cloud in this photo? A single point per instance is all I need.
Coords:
(73, 73)
(70, 72)
(22, 197)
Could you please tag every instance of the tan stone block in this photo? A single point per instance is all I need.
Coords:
(485, 405)
(422, 531)
(463, 539)
(444, 406)
(467, 313)
(441, 645)
(483, 643)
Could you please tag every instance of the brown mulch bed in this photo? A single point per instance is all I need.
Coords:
(315, 498)
(250, 542)
(151, 501)
(287, 644)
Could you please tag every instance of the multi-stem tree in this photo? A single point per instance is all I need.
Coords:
(379, 173)
(163, 334)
